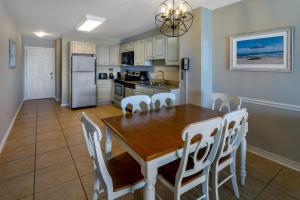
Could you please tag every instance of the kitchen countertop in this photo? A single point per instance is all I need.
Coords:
(163, 87)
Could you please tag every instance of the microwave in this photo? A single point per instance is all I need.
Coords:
(128, 58)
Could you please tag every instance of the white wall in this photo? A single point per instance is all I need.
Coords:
(65, 61)
(11, 80)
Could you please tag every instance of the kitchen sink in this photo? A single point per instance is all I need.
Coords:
(152, 83)
(155, 84)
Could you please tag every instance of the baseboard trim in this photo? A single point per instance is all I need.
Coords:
(274, 157)
(10, 127)
(57, 99)
(64, 105)
(271, 104)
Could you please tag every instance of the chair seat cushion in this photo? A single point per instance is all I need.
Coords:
(168, 172)
(124, 171)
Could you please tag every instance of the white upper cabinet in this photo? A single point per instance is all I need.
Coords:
(130, 46)
(127, 47)
(82, 47)
(90, 48)
(103, 55)
(139, 52)
(171, 51)
(158, 47)
(114, 55)
(108, 55)
(123, 48)
(155, 48)
(149, 49)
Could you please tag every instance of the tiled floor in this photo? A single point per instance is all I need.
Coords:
(45, 158)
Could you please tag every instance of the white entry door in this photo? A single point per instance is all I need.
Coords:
(39, 73)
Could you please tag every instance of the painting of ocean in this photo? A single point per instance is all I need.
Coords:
(261, 51)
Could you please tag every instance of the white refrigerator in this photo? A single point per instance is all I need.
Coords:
(83, 81)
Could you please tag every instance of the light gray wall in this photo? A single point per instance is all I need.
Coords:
(11, 80)
(58, 69)
(190, 47)
(38, 42)
(273, 130)
(206, 57)
(196, 45)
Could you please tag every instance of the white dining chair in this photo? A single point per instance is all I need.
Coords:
(119, 175)
(164, 99)
(135, 102)
(201, 141)
(225, 101)
(233, 130)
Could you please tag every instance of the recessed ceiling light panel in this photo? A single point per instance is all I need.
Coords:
(40, 34)
(89, 23)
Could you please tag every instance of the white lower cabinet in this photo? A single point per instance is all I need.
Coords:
(104, 91)
(150, 91)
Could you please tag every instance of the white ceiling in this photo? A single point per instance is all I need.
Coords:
(124, 18)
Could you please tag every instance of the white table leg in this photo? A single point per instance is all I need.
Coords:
(149, 170)
(243, 157)
(107, 143)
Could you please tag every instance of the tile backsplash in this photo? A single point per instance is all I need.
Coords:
(170, 72)
(105, 69)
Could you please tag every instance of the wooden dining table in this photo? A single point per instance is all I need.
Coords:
(154, 138)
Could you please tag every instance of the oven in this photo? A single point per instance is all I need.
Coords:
(119, 93)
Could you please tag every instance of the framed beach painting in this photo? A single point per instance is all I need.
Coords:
(270, 50)
(12, 53)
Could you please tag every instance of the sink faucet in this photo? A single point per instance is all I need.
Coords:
(163, 76)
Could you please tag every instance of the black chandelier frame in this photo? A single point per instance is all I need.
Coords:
(178, 23)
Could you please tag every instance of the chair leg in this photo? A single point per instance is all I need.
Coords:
(176, 195)
(96, 195)
(215, 183)
(205, 190)
(233, 179)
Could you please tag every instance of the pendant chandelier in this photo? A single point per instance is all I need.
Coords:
(174, 19)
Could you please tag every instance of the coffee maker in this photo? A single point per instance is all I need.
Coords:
(111, 74)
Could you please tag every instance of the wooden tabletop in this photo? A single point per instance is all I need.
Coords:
(156, 133)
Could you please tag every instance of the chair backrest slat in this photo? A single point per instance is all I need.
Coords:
(201, 141)
(135, 101)
(234, 128)
(162, 98)
(225, 102)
